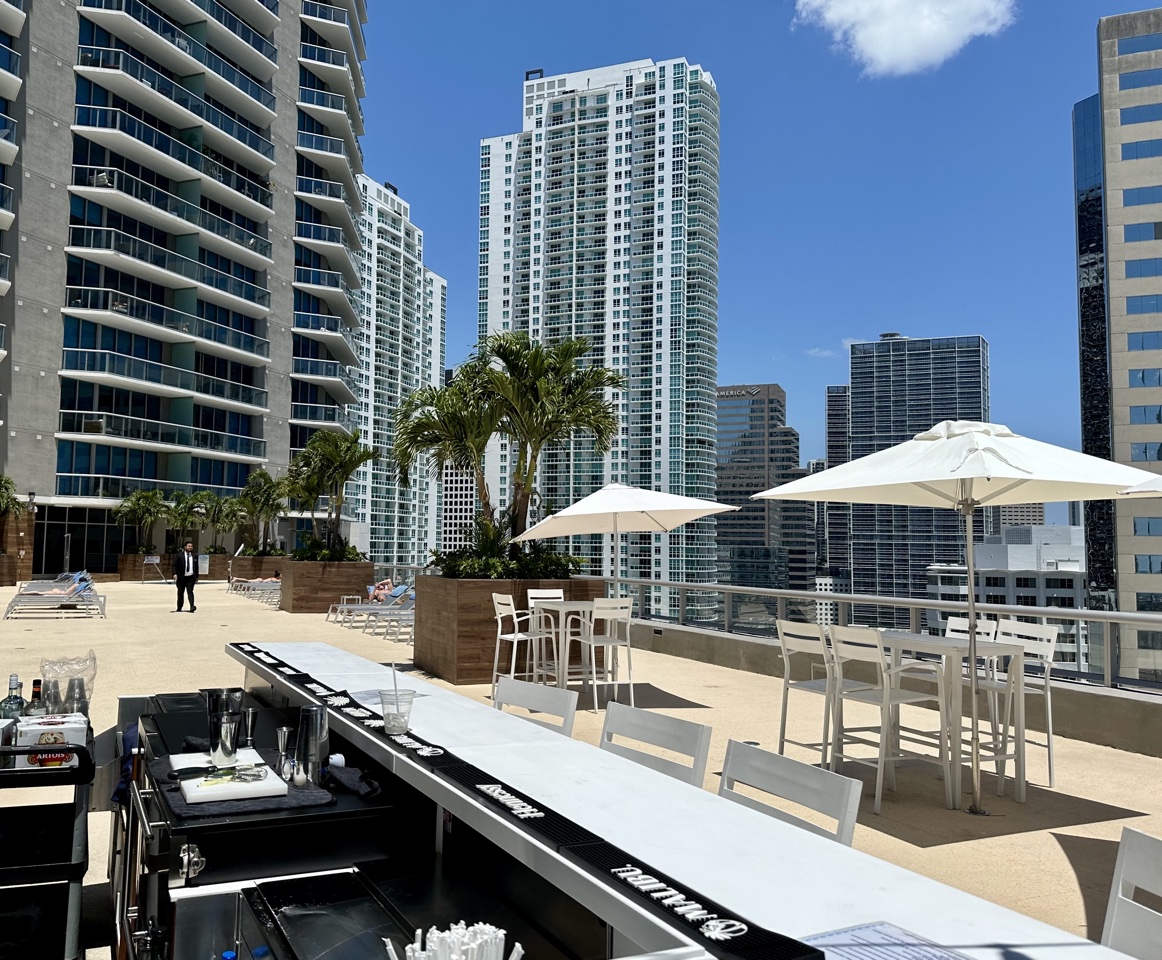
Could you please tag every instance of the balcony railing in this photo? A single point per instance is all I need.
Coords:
(325, 323)
(119, 120)
(183, 41)
(332, 101)
(109, 58)
(118, 488)
(240, 29)
(7, 128)
(156, 431)
(331, 369)
(103, 238)
(88, 298)
(322, 413)
(327, 278)
(166, 202)
(9, 60)
(146, 371)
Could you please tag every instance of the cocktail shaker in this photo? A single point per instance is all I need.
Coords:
(223, 699)
(224, 738)
(312, 747)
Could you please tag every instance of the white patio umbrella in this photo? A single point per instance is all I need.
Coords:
(963, 464)
(1148, 488)
(617, 508)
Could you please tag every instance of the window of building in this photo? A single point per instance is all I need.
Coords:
(1148, 526)
(1147, 113)
(1149, 602)
(1136, 79)
(1148, 563)
(1148, 377)
(1147, 41)
(1058, 583)
(1027, 583)
(1151, 340)
(1150, 640)
(1139, 196)
(994, 581)
(1142, 149)
(1145, 452)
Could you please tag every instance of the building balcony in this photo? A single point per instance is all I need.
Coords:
(6, 215)
(131, 373)
(167, 43)
(226, 32)
(126, 194)
(324, 417)
(339, 338)
(12, 16)
(331, 287)
(261, 14)
(126, 252)
(141, 434)
(99, 487)
(331, 243)
(335, 378)
(3, 341)
(9, 149)
(10, 79)
(330, 198)
(331, 154)
(334, 68)
(333, 110)
(138, 141)
(5, 273)
(140, 84)
(111, 308)
(338, 27)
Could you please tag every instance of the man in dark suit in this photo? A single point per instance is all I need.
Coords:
(185, 574)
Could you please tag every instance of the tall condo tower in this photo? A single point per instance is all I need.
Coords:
(404, 313)
(899, 387)
(599, 219)
(1117, 138)
(185, 263)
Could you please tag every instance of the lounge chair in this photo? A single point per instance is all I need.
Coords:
(75, 594)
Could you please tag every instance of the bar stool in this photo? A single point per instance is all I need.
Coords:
(505, 608)
(609, 613)
(543, 668)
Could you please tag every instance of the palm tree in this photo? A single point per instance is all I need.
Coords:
(186, 513)
(262, 500)
(451, 425)
(328, 462)
(212, 506)
(305, 484)
(142, 509)
(547, 395)
(232, 516)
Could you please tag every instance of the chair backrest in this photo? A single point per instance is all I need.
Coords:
(801, 638)
(1132, 927)
(612, 612)
(820, 790)
(670, 733)
(503, 606)
(958, 627)
(864, 644)
(553, 701)
(535, 594)
(1038, 639)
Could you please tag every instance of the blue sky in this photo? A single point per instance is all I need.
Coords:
(866, 185)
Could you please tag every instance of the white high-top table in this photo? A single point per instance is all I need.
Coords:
(770, 872)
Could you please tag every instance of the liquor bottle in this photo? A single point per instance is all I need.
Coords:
(12, 706)
(36, 706)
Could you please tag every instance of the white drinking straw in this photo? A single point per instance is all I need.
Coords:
(395, 684)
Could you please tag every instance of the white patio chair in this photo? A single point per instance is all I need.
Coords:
(543, 668)
(607, 614)
(865, 645)
(1040, 642)
(807, 638)
(1131, 927)
(552, 701)
(683, 737)
(505, 609)
(824, 792)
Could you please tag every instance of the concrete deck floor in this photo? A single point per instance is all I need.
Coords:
(1051, 858)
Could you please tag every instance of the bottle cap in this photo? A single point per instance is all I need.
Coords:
(229, 955)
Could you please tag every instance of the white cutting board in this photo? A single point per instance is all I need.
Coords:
(197, 791)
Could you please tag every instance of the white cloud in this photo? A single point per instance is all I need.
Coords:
(848, 341)
(897, 37)
(820, 352)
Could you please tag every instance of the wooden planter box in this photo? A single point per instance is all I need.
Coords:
(7, 570)
(311, 586)
(455, 637)
(251, 568)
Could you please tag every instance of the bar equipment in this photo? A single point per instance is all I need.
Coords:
(283, 769)
(222, 699)
(249, 725)
(312, 746)
(224, 738)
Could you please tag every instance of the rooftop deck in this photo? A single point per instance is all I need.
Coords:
(1050, 858)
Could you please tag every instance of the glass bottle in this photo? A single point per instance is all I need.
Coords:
(12, 706)
(36, 706)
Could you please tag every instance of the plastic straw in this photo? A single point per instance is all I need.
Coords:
(395, 685)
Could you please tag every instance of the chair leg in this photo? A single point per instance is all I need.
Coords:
(826, 727)
(593, 672)
(629, 673)
(1049, 726)
(885, 735)
(783, 715)
(495, 668)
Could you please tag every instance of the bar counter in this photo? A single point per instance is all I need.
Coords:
(763, 872)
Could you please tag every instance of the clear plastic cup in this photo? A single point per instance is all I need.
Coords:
(397, 710)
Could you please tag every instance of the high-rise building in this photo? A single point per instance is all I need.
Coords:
(1117, 141)
(401, 348)
(899, 387)
(458, 493)
(1022, 514)
(765, 543)
(599, 219)
(186, 270)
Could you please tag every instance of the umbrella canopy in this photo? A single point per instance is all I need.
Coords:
(618, 508)
(963, 464)
(1001, 467)
(1149, 488)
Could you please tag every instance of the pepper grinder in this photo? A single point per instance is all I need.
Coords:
(284, 768)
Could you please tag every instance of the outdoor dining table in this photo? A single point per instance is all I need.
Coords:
(952, 652)
(564, 609)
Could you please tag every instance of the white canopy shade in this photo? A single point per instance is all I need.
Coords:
(1148, 488)
(1001, 467)
(618, 508)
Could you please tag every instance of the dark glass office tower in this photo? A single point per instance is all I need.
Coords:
(766, 543)
(899, 387)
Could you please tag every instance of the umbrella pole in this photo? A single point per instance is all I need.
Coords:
(616, 562)
(969, 507)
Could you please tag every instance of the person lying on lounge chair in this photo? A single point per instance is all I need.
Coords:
(383, 590)
(277, 578)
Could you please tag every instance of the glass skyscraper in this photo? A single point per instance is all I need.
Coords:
(899, 387)
(599, 219)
